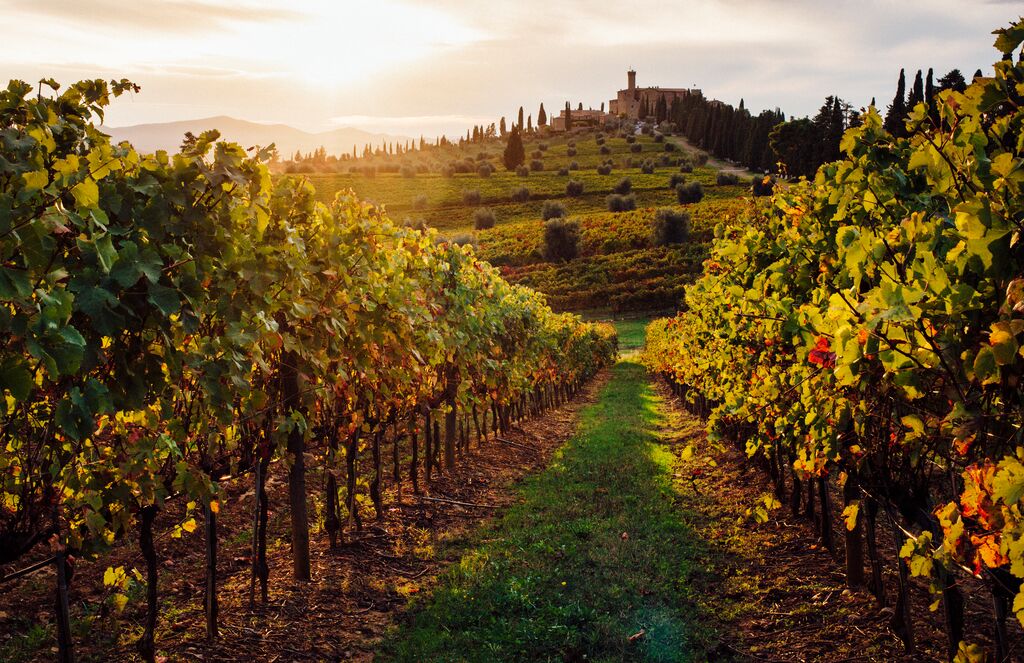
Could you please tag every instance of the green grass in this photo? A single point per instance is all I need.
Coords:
(631, 333)
(594, 552)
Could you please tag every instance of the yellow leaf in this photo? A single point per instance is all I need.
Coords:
(850, 514)
(86, 194)
(687, 453)
(214, 506)
(189, 525)
(35, 180)
(120, 601)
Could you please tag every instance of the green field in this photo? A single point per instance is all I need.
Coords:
(618, 270)
(631, 333)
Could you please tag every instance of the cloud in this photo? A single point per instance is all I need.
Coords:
(179, 16)
(448, 64)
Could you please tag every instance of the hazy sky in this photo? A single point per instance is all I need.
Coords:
(411, 67)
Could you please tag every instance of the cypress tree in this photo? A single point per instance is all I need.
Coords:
(568, 117)
(916, 92)
(519, 125)
(898, 109)
(661, 109)
(929, 88)
(978, 74)
(515, 153)
(542, 117)
(501, 127)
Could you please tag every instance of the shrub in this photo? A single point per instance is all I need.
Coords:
(574, 188)
(620, 203)
(482, 156)
(419, 202)
(537, 165)
(575, 165)
(701, 159)
(604, 169)
(543, 147)
(763, 186)
(571, 152)
(522, 171)
(647, 167)
(623, 187)
(464, 239)
(659, 138)
(520, 195)
(605, 149)
(636, 148)
(676, 179)
(724, 179)
(408, 171)
(561, 239)
(686, 167)
(690, 192)
(669, 226)
(670, 147)
(483, 218)
(536, 154)
(470, 197)
(630, 139)
(484, 170)
(600, 140)
(552, 209)
(447, 171)
(563, 171)
(416, 224)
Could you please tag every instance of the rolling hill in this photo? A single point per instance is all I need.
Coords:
(168, 135)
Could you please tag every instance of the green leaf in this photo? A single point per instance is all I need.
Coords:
(1008, 39)
(1008, 482)
(105, 252)
(14, 283)
(164, 298)
(986, 369)
(16, 378)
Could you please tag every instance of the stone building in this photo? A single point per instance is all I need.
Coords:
(582, 118)
(628, 102)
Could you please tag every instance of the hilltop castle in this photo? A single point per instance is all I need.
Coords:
(626, 104)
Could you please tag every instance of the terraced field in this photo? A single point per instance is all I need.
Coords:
(618, 268)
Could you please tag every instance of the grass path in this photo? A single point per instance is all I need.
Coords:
(714, 162)
(595, 552)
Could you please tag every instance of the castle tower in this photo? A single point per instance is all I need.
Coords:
(632, 80)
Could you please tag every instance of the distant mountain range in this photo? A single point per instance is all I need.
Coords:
(168, 135)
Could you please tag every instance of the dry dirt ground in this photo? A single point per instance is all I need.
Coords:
(339, 615)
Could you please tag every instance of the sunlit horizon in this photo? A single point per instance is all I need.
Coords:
(438, 68)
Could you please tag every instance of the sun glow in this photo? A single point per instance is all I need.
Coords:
(318, 42)
(344, 42)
